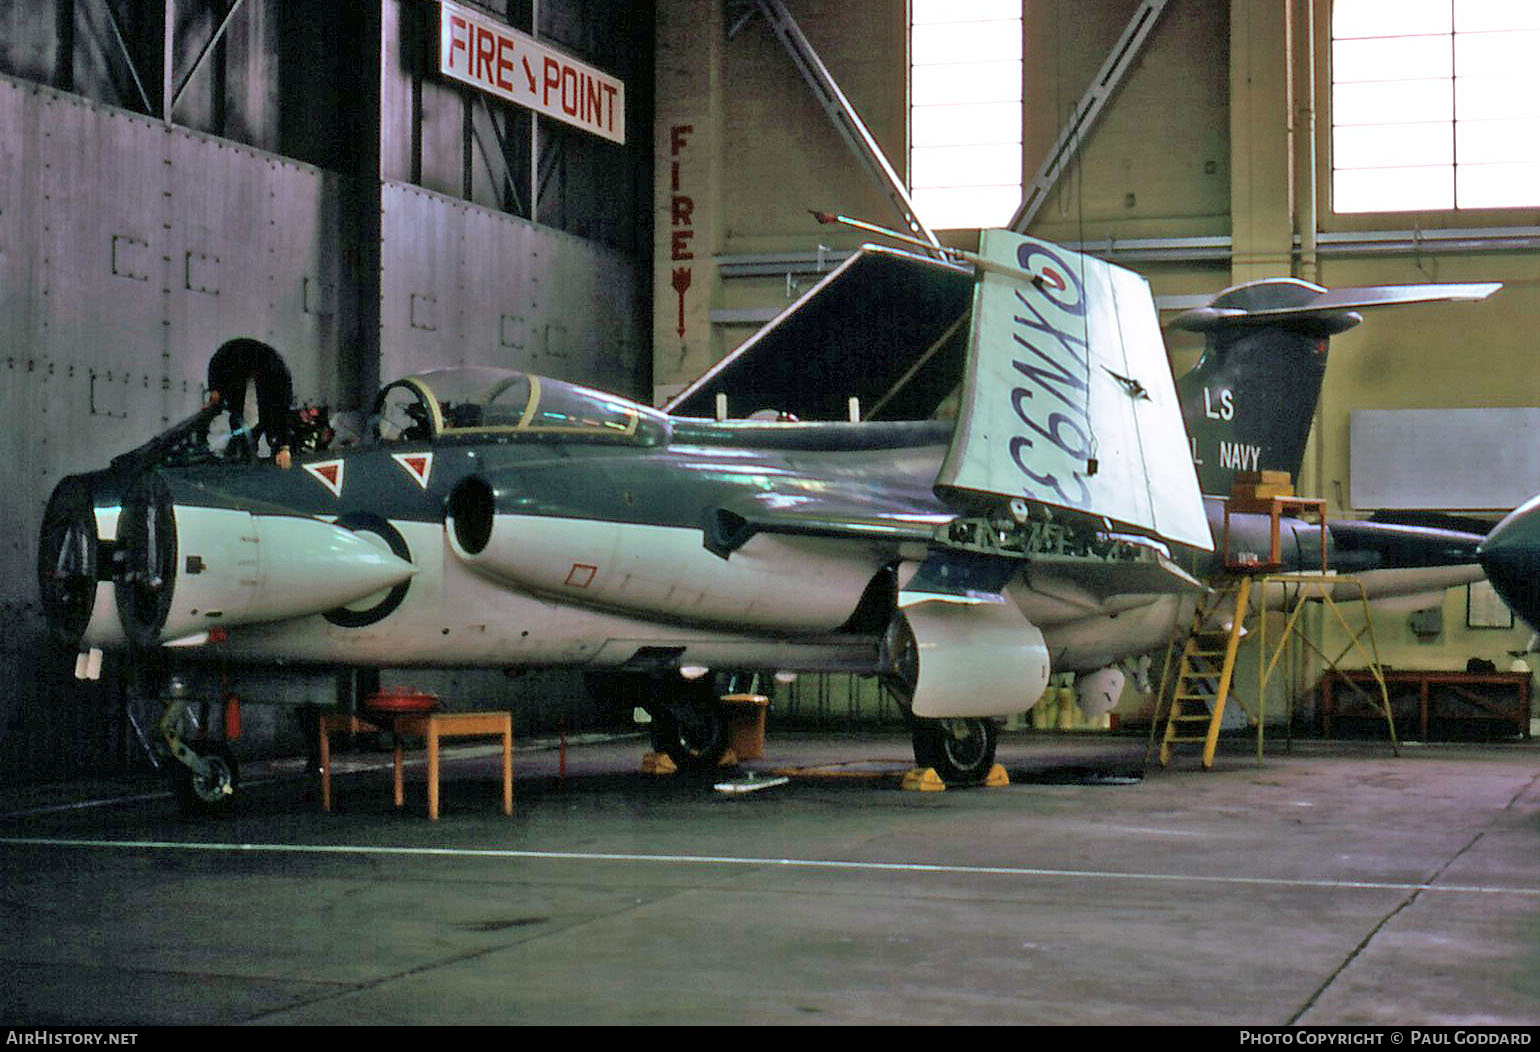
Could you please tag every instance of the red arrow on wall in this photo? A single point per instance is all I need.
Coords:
(681, 282)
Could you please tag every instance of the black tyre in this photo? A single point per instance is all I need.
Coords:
(203, 796)
(691, 727)
(962, 751)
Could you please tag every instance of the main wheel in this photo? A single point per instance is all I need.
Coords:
(962, 751)
(691, 726)
(211, 794)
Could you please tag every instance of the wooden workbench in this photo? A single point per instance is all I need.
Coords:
(433, 727)
(1421, 699)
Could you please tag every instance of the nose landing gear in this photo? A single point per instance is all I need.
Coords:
(204, 775)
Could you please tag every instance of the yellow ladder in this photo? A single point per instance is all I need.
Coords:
(1204, 672)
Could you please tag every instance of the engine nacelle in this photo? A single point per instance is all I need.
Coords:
(187, 568)
(967, 659)
(783, 584)
(70, 568)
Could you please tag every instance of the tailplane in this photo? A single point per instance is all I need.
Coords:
(1249, 402)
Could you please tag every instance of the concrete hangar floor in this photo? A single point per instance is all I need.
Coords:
(1335, 884)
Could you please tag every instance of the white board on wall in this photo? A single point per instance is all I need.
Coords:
(1444, 459)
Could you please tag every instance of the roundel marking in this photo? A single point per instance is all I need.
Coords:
(372, 608)
(1059, 285)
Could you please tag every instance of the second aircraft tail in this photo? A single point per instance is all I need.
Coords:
(1249, 402)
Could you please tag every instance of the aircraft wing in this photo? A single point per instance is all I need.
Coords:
(1068, 400)
(886, 327)
(1153, 574)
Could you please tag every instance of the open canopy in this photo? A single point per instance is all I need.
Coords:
(484, 401)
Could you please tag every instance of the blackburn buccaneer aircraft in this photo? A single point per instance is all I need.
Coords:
(499, 519)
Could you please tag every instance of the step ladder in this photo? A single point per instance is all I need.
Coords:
(1204, 671)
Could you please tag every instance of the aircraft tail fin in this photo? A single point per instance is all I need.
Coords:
(1249, 402)
(1067, 403)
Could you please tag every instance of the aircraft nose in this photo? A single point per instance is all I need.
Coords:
(1511, 558)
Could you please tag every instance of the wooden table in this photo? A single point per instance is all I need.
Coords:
(433, 727)
(1501, 697)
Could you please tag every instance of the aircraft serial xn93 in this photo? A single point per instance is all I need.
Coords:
(499, 519)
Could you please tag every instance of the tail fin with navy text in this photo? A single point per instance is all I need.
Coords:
(1249, 402)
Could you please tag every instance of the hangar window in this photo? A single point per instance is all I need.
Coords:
(1435, 104)
(965, 111)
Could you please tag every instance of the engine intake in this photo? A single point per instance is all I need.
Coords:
(966, 659)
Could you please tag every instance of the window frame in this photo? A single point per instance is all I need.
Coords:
(1017, 148)
(1429, 215)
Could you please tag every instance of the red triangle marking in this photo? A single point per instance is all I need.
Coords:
(418, 465)
(329, 474)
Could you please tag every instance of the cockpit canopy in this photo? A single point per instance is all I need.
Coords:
(491, 403)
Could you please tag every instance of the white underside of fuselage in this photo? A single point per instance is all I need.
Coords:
(774, 604)
(454, 616)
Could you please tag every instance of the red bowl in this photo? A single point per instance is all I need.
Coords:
(400, 702)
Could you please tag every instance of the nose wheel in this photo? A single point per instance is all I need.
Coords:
(208, 788)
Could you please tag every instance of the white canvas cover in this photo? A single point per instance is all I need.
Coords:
(1068, 399)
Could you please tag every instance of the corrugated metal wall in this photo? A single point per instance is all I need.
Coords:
(464, 285)
(131, 247)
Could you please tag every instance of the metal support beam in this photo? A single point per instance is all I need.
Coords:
(534, 129)
(207, 47)
(128, 58)
(846, 120)
(509, 193)
(1108, 79)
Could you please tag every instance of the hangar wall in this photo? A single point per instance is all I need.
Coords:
(275, 204)
(1209, 167)
(129, 249)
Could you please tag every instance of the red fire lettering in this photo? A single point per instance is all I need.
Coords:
(457, 39)
(504, 62)
(609, 93)
(593, 101)
(681, 244)
(677, 135)
(682, 207)
(486, 53)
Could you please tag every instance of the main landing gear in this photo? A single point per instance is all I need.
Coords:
(689, 723)
(962, 751)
